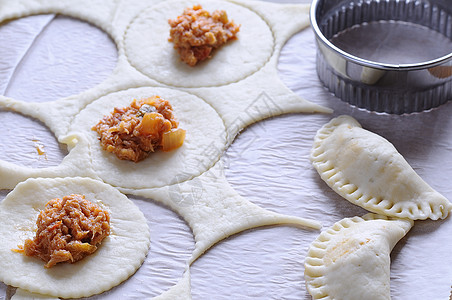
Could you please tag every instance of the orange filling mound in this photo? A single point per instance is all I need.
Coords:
(196, 33)
(69, 229)
(134, 132)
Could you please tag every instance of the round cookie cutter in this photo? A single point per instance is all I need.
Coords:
(378, 86)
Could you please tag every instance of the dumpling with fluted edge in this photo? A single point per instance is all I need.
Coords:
(351, 259)
(367, 170)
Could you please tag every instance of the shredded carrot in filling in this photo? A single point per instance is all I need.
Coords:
(134, 132)
(69, 229)
(196, 33)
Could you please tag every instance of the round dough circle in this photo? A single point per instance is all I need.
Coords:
(204, 143)
(117, 258)
(148, 48)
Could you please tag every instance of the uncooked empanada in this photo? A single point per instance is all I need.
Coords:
(368, 171)
(351, 260)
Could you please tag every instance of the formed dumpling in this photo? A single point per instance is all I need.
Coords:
(368, 171)
(118, 257)
(351, 260)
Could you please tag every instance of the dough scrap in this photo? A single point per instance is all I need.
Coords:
(368, 171)
(24, 295)
(258, 96)
(117, 258)
(205, 141)
(155, 57)
(180, 291)
(351, 259)
(214, 210)
(233, 101)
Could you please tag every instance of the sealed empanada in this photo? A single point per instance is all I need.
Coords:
(351, 260)
(368, 171)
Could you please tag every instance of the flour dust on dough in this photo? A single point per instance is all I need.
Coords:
(351, 259)
(116, 259)
(367, 170)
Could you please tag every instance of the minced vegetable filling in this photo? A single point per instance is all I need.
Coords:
(196, 33)
(69, 229)
(136, 131)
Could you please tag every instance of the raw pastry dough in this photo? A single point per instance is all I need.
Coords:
(205, 141)
(251, 99)
(217, 100)
(117, 258)
(351, 260)
(214, 210)
(367, 170)
(24, 295)
(155, 57)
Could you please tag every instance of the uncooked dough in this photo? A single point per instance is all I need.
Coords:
(214, 210)
(258, 96)
(204, 143)
(24, 295)
(367, 170)
(148, 49)
(117, 258)
(213, 103)
(351, 259)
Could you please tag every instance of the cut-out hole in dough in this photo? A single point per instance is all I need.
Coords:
(30, 143)
(238, 266)
(172, 246)
(300, 50)
(60, 57)
(150, 52)
(255, 160)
